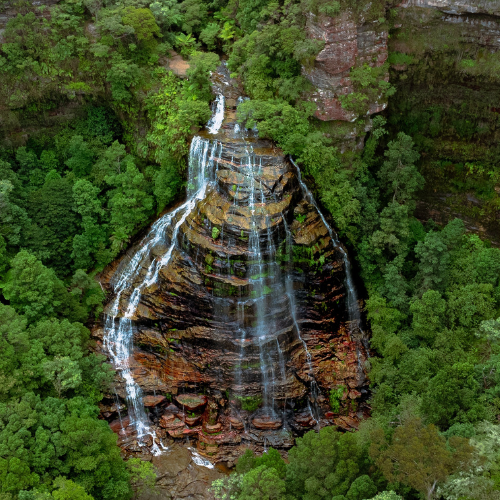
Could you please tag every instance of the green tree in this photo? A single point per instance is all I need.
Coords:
(324, 464)
(418, 456)
(143, 22)
(81, 157)
(68, 490)
(54, 224)
(129, 203)
(89, 246)
(262, 483)
(33, 289)
(399, 174)
(142, 476)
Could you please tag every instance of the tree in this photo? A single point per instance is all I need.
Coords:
(143, 22)
(262, 483)
(122, 75)
(428, 315)
(418, 456)
(33, 289)
(68, 490)
(13, 218)
(90, 245)
(130, 204)
(398, 174)
(387, 495)
(323, 464)
(201, 66)
(81, 157)
(142, 476)
(54, 223)
(63, 372)
(361, 488)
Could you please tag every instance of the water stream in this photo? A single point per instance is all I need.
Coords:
(119, 330)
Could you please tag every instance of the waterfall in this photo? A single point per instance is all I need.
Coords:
(291, 299)
(263, 316)
(119, 330)
(218, 115)
(352, 296)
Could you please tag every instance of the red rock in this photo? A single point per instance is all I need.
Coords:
(305, 420)
(172, 409)
(173, 424)
(176, 433)
(346, 423)
(151, 401)
(266, 422)
(212, 429)
(191, 402)
(346, 45)
(192, 421)
(236, 423)
(166, 419)
(117, 425)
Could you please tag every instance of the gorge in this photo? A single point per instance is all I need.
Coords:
(250, 250)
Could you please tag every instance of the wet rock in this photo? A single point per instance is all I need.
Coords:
(192, 421)
(179, 477)
(119, 425)
(172, 409)
(201, 326)
(191, 402)
(305, 420)
(212, 428)
(236, 423)
(152, 401)
(267, 422)
(167, 419)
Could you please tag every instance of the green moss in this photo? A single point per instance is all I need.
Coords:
(249, 403)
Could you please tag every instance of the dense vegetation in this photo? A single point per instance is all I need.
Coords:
(74, 192)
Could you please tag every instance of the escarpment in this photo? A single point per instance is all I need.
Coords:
(229, 323)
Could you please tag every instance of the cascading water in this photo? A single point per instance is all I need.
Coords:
(119, 330)
(215, 122)
(222, 275)
(352, 296)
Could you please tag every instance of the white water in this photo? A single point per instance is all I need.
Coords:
(352, 297)
(215, 122)
(119, 330)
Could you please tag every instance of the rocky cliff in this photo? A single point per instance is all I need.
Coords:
(348, 42)
(244, 330)
(445, 64)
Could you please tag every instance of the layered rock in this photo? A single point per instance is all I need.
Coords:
(445, 55)
(348, 43)
(456, 6)
(246, 323)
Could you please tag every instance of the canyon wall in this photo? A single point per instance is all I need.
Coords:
(229, 321)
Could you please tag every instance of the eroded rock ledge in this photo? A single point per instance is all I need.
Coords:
(197, 355)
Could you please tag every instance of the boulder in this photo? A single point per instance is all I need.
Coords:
(152, 401)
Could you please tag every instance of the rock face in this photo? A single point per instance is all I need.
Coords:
(456, 6)
(244, 322)
(347, 44)
(180, 478)
(426, 36)
(10, 9)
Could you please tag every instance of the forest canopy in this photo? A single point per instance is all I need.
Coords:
(95, 131)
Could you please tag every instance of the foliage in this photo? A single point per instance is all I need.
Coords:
(418, 456)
